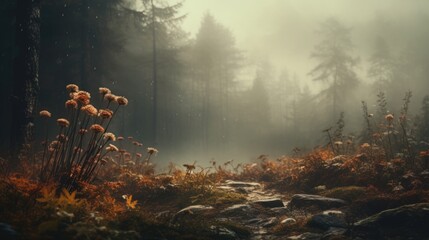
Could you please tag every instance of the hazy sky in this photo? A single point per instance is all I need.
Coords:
(284, 31)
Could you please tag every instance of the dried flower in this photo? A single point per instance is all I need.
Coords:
(139, 155)
(96, 128)
(122, 101)
(54, 144)
(338, 143)
(120, 138)
(389, 117)
(82, 96)
(152, 150)
(109, 136)
(189, 167)
(63, 122)
(130, 138)
(104, 91)
(112, 148)
(110, 97)
(89, 109)
(72, 88)
(105, 113)
(348, 142)
(45, 113)
(365, 145)
(70, 104)
(370, 115)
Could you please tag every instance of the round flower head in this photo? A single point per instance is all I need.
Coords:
(82, 97)
(110, 136)
(71, 104)
(122, 101)
(54, 144)
(63, 122)
(120, 138)
(139, 155)
(45, 113)
(105, 113)
(110, 97)
(389, 117)
(72, 88)
(89, 109)
(365, 145)
(103, 91)
(112, 148)
(152, 150)
(338, 143)
(96, 128)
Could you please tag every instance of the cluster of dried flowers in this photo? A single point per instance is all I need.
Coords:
(82, 143)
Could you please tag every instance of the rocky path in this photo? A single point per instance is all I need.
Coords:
(271, 215)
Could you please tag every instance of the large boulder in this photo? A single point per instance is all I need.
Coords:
(405, 222)
(320, 202)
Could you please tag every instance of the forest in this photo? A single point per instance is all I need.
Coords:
(203, 119)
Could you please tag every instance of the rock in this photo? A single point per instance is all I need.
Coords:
(288, 221)
(307, 200)
(405, 222)
(223, 233)
(307, 236)
(280, 210)
(269, 222)
(270, 203)
(7, 232)
(239, 210)
(263, 222)
(327, 220)
(191, 210)
(237, 184)
(334, 233)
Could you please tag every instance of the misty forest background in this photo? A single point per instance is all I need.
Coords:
(211, 98)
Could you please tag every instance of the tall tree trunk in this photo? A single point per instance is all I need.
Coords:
(85, 47)
(154, 81)
(26, 74)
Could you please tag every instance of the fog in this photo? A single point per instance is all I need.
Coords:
(235, 78)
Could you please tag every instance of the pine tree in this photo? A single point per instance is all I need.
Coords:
(336, 64)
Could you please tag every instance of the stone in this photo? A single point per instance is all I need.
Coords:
(237, 184)
(270, 203)
(405, 222)
(239, 210)
(306, 236)
(327, 220)
(307, 200)
(191, 210)
(223, 233)
(334, 233)
(288, 221)
(269, 222)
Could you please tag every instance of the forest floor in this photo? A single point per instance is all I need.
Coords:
(316, 196)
